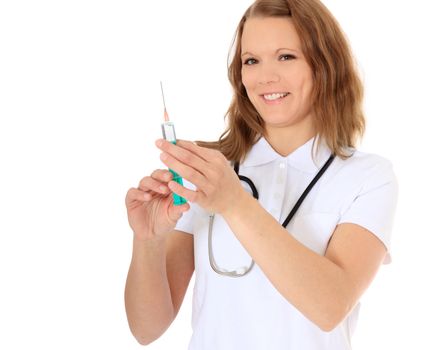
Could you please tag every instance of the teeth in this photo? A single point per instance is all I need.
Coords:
(274, 96)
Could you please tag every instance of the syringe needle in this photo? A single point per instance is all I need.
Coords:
(166, 118)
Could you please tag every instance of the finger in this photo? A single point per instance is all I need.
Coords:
(203, 152)
(189, 195)
(183, 155)
(184, 170)
(162, 175)
(133, 194)
(175, 211)
(148, 184)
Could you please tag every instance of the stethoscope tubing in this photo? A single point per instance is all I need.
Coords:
(253, 188)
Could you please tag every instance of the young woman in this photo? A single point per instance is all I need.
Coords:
(284, 270)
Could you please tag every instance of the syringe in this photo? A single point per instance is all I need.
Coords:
(169, 134)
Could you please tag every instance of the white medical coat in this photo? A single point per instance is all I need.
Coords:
(248, 313)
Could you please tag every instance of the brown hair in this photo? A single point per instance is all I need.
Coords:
(337, 89)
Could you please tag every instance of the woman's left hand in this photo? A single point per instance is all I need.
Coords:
(218, 186)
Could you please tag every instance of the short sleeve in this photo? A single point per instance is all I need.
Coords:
(374, 205)
(186, 222)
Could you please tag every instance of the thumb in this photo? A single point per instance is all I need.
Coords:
(175, 212)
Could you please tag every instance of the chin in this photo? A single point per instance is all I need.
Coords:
(278, 119)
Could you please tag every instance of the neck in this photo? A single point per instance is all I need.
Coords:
(286, 140)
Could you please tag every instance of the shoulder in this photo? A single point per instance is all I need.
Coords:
(364, 160)
(366, 166)
(359, 174)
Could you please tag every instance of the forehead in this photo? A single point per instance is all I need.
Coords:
(268, 34)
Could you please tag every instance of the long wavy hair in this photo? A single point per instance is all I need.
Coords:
(337, 93)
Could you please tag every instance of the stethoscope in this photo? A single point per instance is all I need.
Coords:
(242, 271)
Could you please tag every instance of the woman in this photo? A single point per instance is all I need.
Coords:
(285, 271)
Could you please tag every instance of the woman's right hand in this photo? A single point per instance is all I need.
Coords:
(150, 209)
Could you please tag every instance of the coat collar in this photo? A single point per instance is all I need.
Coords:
(301, 158)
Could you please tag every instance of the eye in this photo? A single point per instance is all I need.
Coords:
(287, 57)
(249, 61)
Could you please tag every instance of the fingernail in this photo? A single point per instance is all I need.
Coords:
(159, 143)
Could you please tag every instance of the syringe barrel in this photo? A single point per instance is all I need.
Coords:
(169, 132)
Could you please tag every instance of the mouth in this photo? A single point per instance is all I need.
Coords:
(274, 98)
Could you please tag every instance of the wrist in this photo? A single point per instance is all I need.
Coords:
(236, 204)
(151, 241)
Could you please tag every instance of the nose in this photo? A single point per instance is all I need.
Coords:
(268, 75)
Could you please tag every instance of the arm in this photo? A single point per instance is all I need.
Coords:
(158, 277)
(323, 288)
(147, 294)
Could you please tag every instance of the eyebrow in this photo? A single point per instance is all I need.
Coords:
(282, 48)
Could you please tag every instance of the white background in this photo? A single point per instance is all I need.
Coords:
(80, 109)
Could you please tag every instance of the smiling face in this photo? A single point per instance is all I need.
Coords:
(276, 75)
